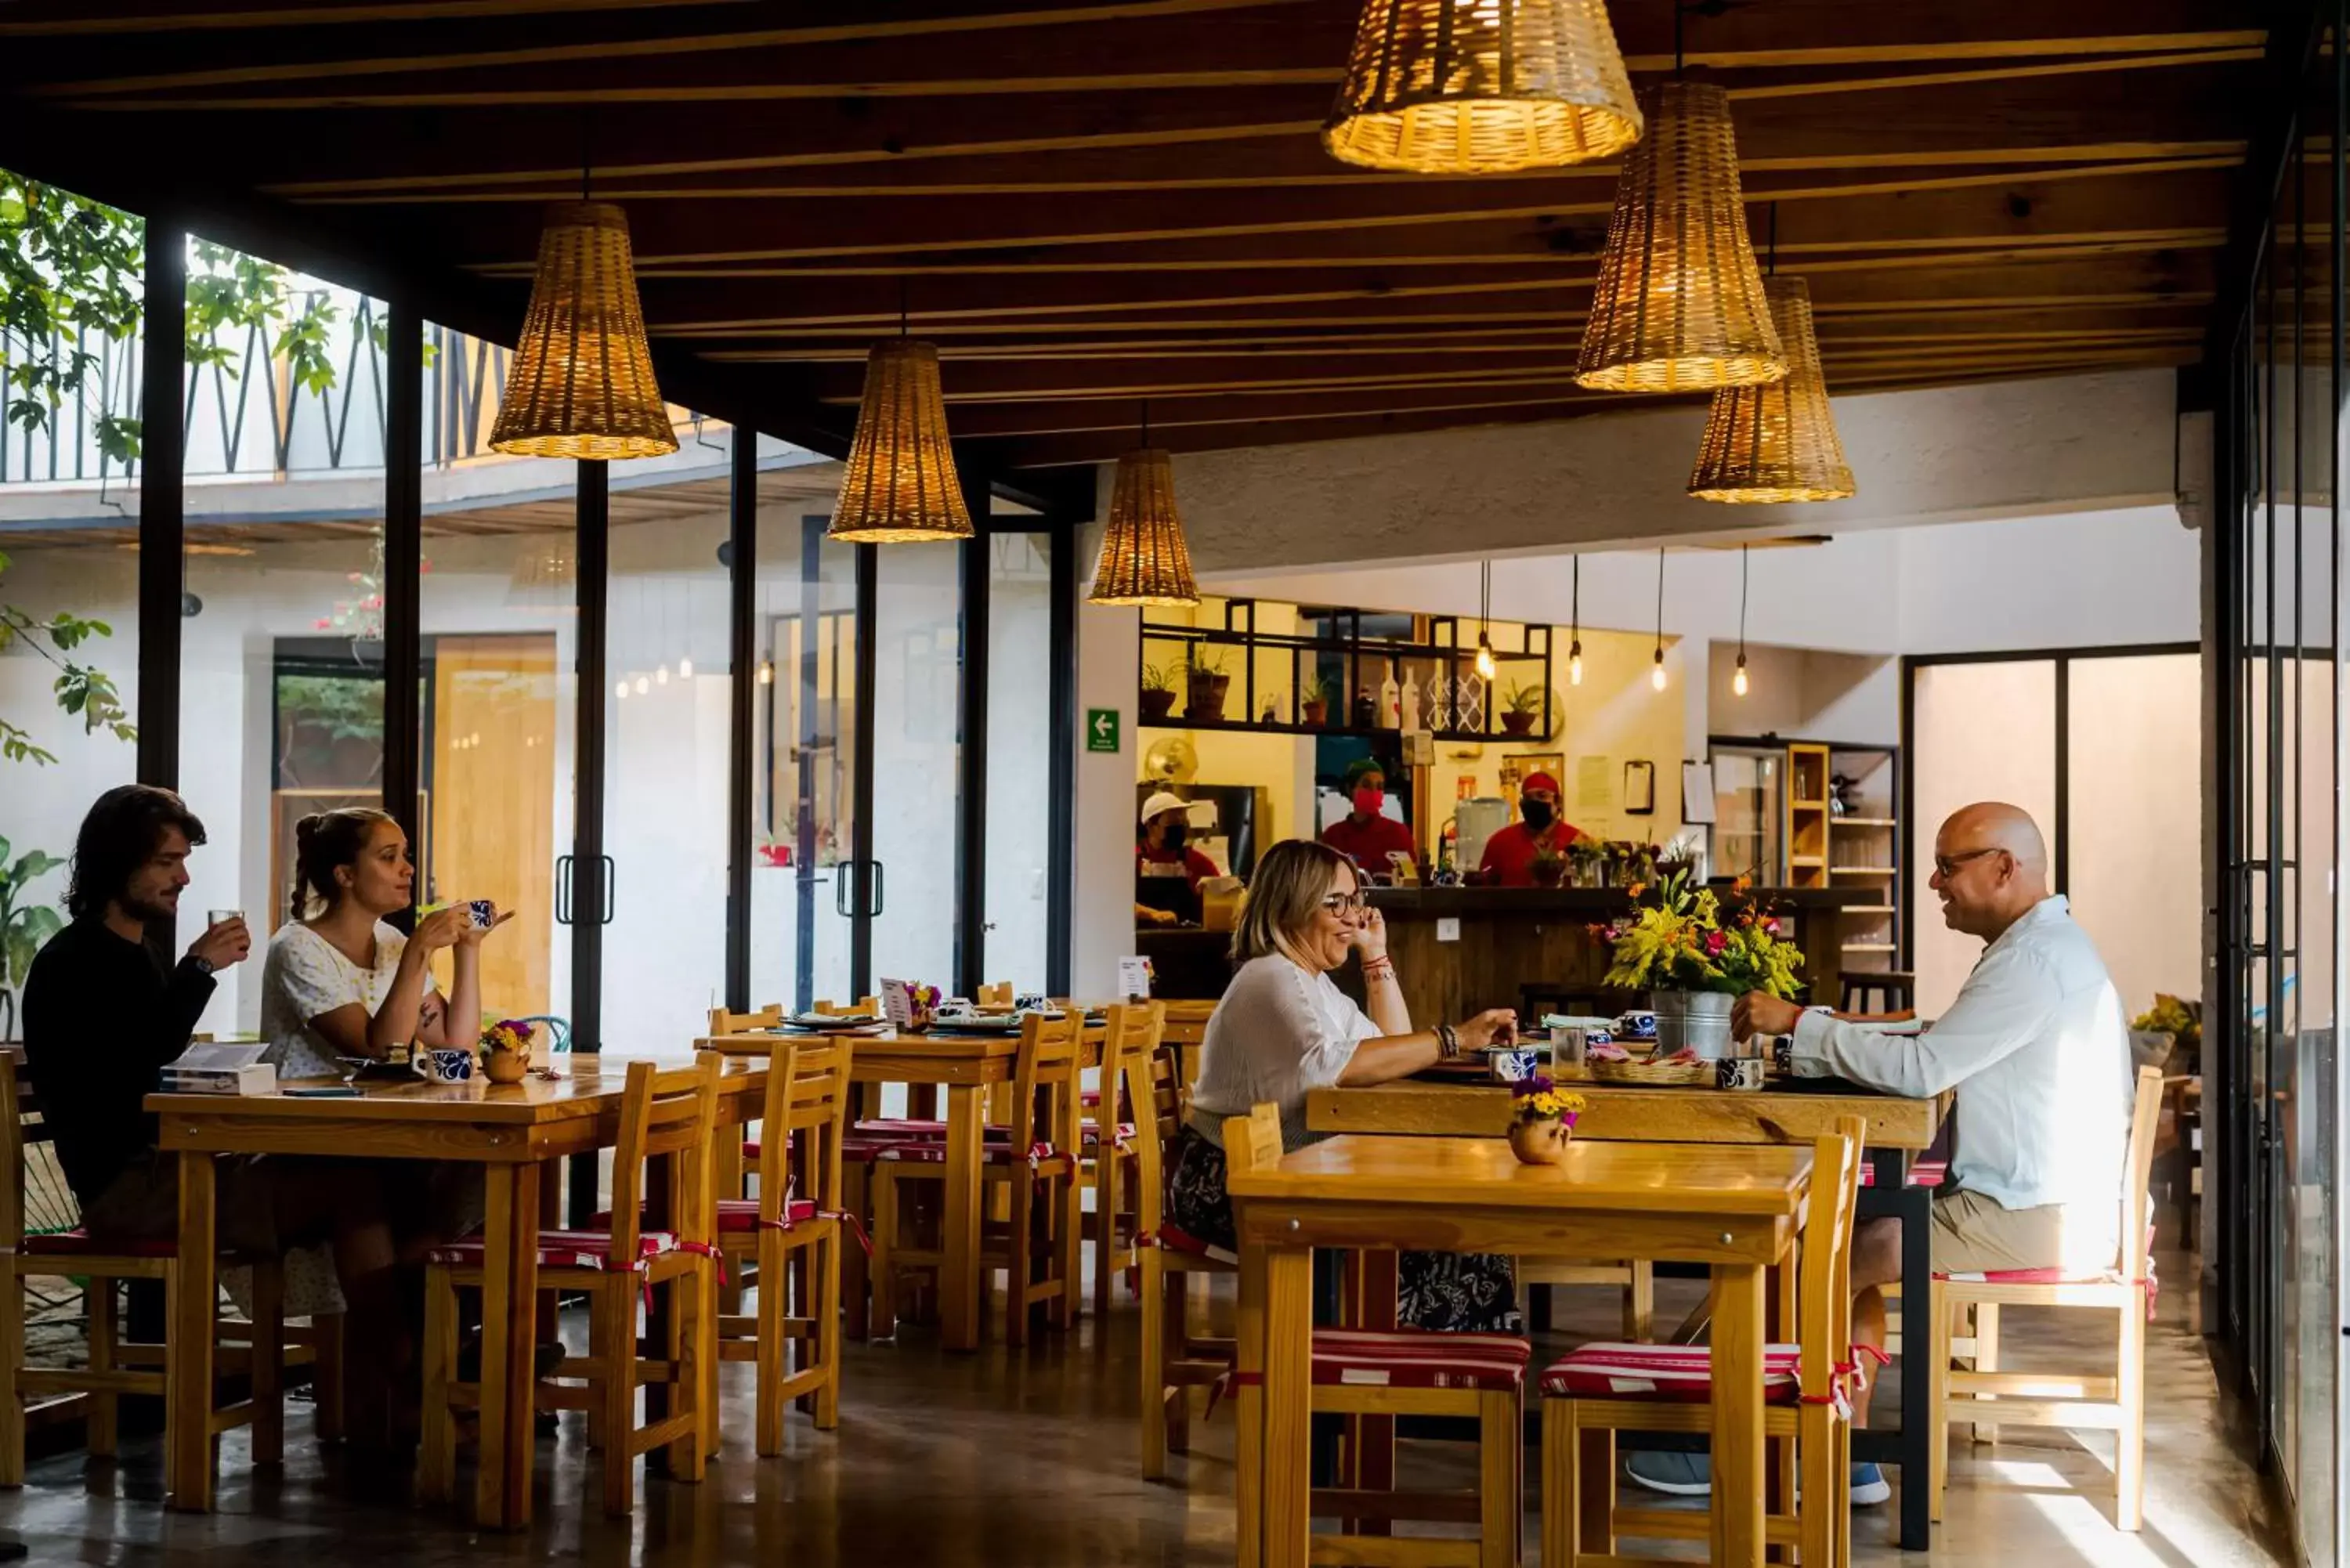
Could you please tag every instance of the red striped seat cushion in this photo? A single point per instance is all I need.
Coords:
(1091, 1132)
(742, 1213)
(750, 1148)
(1175, 1239)
(80, 1244)
(1413, 1358)
(588, 1248)
(932, 1151)
(2040, 1277)
(1676, 1371)
(1922, 1173)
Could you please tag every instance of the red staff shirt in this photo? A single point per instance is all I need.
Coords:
(1367, 843)
(1510, 853)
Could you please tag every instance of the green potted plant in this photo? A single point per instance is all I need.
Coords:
(25, 925)
(1157, 691)
(1314, 702)
(1520, 707)
(1205, 682)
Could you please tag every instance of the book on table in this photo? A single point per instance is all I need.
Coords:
(217, 1068)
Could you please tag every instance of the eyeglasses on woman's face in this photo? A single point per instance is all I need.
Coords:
(1347, 905)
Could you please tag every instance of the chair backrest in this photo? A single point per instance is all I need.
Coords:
(12, 1161)
(2137, 1199)
(803, 1115)
(1252, 1142)
(869, 1006)
(723, 1021)
(673, 1113)
(996, 995)
(1825, 1287)
(1045, 1080)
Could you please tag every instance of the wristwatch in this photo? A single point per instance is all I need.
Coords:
(205, 966)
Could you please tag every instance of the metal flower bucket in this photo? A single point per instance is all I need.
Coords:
(1698, 1020)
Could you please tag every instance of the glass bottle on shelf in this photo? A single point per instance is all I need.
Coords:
(1390, 703)
(1411, 711)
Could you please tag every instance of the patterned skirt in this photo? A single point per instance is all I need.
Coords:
(1461, 1293)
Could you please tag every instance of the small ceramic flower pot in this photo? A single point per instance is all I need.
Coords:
(1540, 1142)
(505, 1066)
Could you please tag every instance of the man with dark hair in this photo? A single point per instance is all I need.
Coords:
(104, 1010)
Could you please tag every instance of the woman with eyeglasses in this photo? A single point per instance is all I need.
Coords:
(1283, 1028)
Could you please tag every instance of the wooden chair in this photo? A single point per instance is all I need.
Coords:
(261, 1348)
(1033, 1163)
(666, 1115)
(2115, 1398)
(1406, 1372)
(1108, 1134)
(1584, 1403)
(1636, 1278)
(786, 1241)
(1174, 1359)
(1877, 992)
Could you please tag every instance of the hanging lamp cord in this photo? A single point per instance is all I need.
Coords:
(1774, 249)
(1660, 601)
(1680, 11)
(901, 304)
(1574, 603)
(1741, 604)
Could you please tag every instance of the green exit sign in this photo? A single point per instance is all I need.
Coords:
(1101, 728)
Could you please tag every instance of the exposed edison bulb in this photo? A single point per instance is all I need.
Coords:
(643, 685)
(766, 672)
(1738, 679)
(660, 676)
(1574, 664)
(621, 688)
(1484, 657)
(1657, 671)
(685, 670)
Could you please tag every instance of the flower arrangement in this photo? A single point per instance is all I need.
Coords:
(1537, 1099)
(508, 1034)
(1678, 941)
(1542, 1120)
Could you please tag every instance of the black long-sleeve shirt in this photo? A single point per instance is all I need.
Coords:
(102, 1015)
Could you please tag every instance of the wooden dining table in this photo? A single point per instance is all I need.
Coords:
(1736, 1209)
(511, 1130)
(1899, 1129)
(966, 1066)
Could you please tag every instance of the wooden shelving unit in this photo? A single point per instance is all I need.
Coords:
(1808, 816)
(1865, 850)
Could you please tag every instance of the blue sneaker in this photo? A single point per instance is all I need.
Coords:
(1682, 1475)
(1868, 1485)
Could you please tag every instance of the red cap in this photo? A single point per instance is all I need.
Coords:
(1539, 780)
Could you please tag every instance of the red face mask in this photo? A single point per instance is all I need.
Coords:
(1368, 802)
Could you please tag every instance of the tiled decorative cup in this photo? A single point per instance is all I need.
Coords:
(1510, 1063)
(450, 1064)
(1638, 1027)
(1739, 1073)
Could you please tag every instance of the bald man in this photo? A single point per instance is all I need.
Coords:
(2038, 1050)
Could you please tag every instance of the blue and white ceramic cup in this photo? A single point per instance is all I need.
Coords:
(1640, 1025)
(1513, 1064)
(450, 1064)
(1739, 1073)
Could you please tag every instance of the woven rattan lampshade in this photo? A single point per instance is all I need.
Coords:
(582, 380)
(1679, 306)
(1483, 87)
(1778, 441)
(1144, 560)
(899, 484)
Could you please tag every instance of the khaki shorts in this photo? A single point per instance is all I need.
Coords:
(1977, 1235)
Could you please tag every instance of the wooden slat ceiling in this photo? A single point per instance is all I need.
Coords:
(1093, 204)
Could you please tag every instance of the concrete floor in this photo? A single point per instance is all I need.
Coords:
(1031, 1461)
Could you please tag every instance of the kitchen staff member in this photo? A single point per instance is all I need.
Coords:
(1366, 835)
(1510, 853)
(1168, 871)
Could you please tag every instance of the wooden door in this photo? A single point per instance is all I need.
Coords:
(492, 809)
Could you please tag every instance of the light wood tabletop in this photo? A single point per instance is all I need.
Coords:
(1735, 1208)
(1623, 1111)
(509, 1129)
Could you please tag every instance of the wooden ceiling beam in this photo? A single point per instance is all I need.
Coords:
(77, 19)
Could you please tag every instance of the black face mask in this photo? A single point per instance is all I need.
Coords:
(1172, 835)
(1537, 812)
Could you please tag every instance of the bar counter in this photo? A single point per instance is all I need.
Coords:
(1534, 948)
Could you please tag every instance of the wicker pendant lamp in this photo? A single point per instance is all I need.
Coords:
(1776, 442)
(1144, 559)
(1483, 87)
(900, 485)
(581, 383)
(1679, 306)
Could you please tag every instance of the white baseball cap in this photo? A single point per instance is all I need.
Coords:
(1198, 813)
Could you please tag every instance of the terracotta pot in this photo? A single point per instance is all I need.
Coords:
(1157, 704)
(505, 1066)
(1514, 723)
(1204, 696)
(1540, 1143)
(1315, 713)
(1547, 873)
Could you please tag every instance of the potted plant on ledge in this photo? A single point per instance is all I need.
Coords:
(1314, 702)
(1520, 707)
(1694, 964)
(1158, 693)
(1205, 683)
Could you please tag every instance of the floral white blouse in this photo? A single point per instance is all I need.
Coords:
(306, 976)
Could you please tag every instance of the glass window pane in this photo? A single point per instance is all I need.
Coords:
(1978, 731)
(918, 672)
(1019, 756)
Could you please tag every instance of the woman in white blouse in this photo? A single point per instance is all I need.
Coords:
(339, 981)
(1283, 1028)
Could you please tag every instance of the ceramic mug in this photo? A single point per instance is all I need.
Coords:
(1739, 1073)
(451, 1064)
(481, 913)
(1513, 1064)
(1640, 1025)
